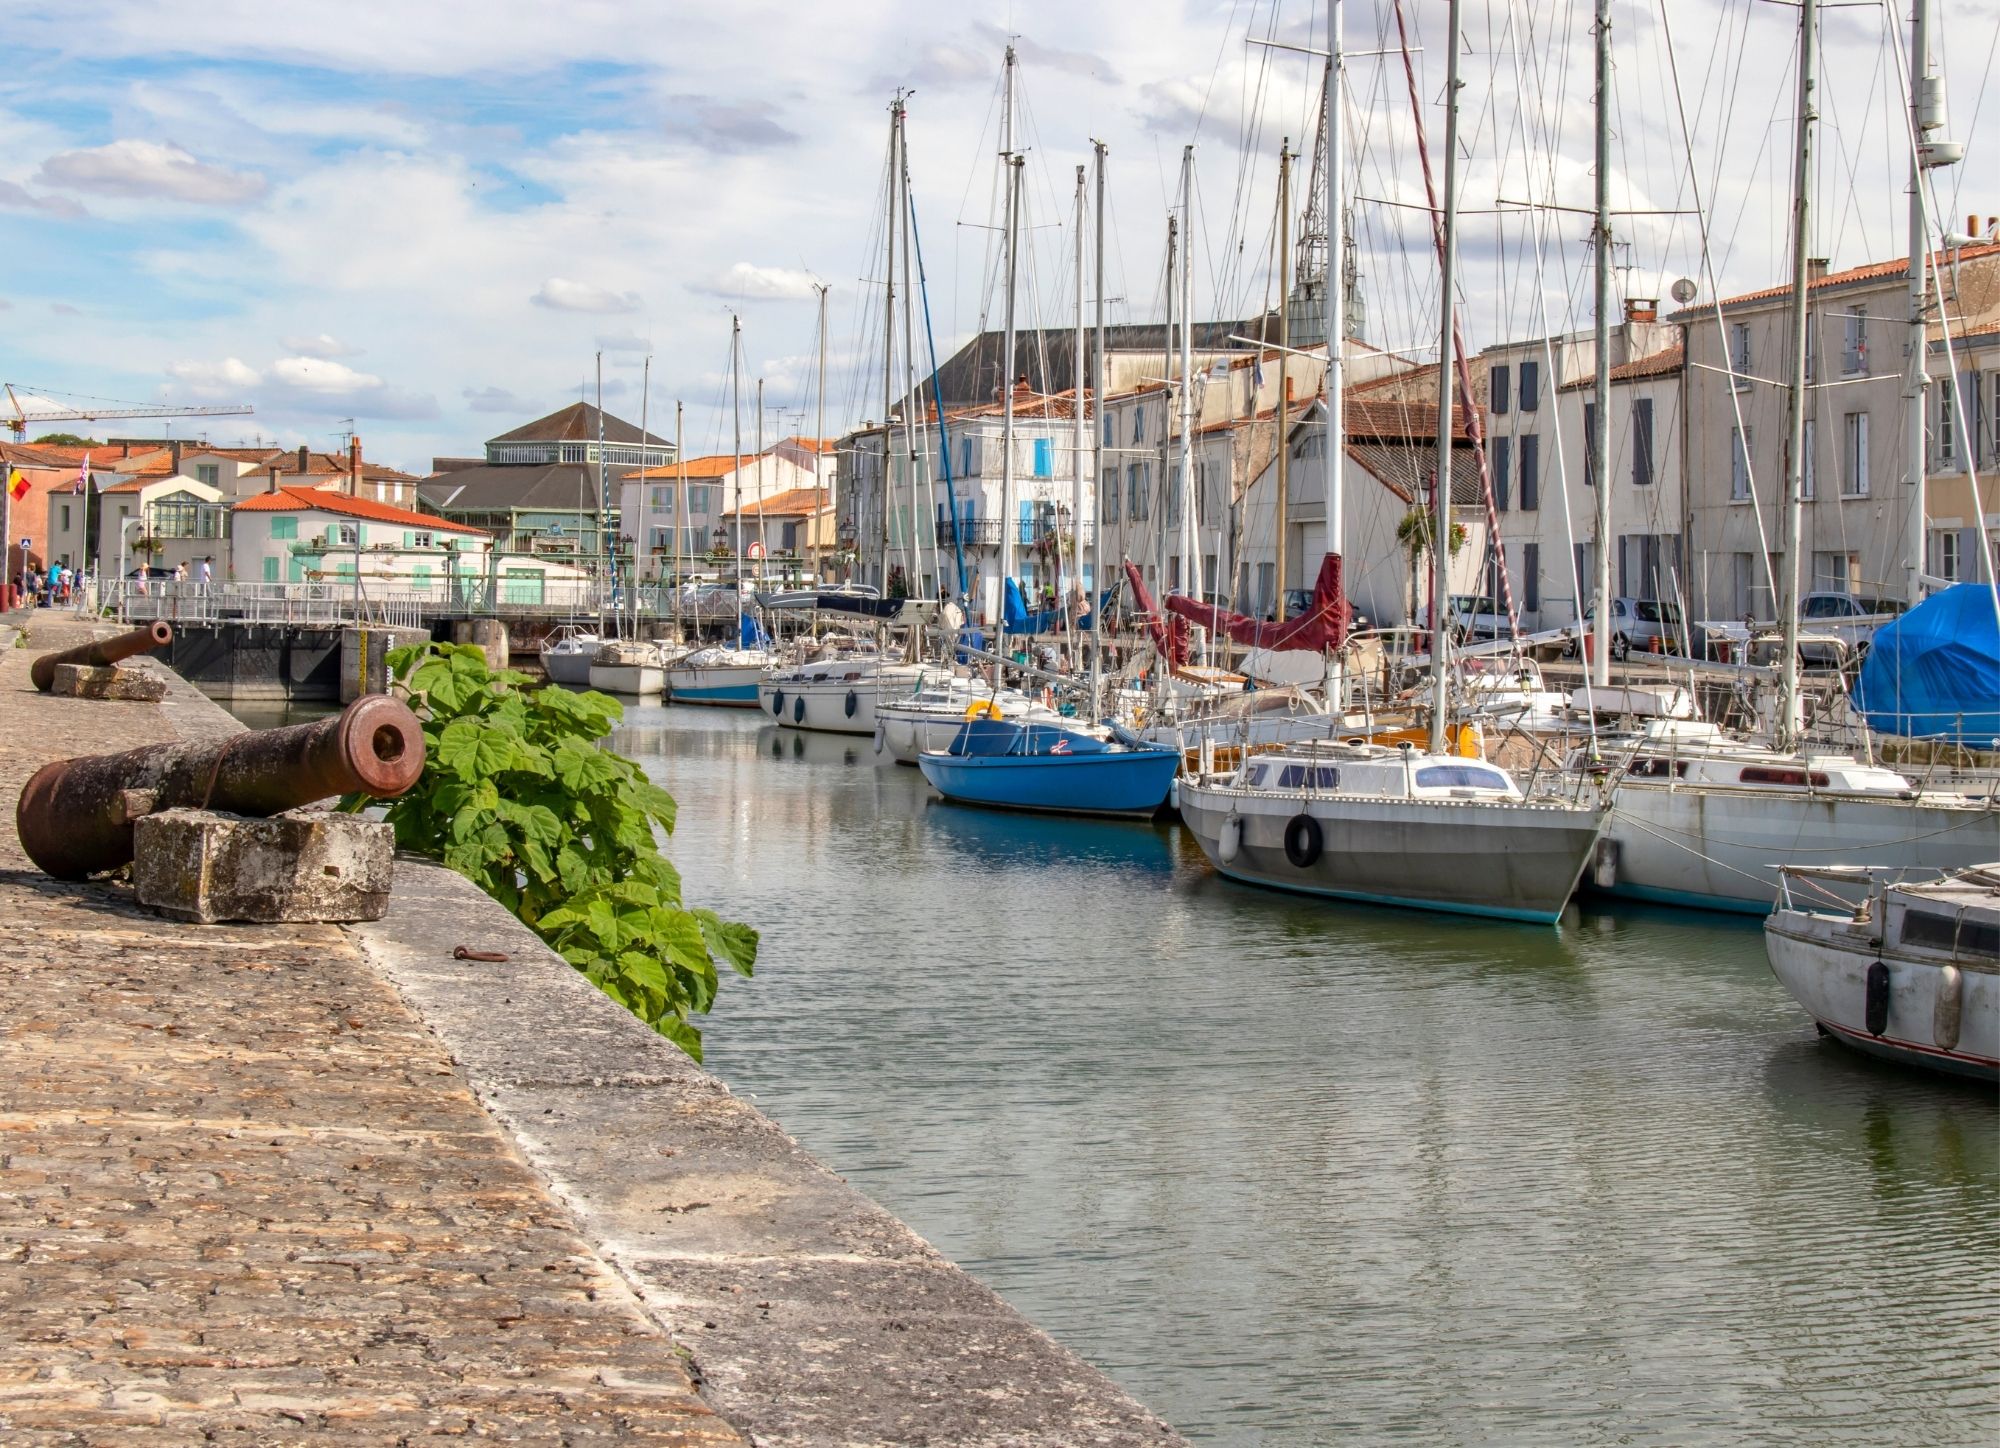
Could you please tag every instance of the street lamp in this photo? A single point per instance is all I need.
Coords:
(124, 532)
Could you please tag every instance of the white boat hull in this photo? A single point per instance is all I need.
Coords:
(1829, 978)
(568, 666)
(1719, 848)
(1511, 861)
(731, 686)
(633, 680)
(843, 704)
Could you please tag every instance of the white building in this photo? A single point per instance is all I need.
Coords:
(301, 535)
(659, 528)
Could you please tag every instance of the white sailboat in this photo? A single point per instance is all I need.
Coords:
(632, 667)
(1422, 829)
(1701, 820)
(566, 654)
(1913, 975)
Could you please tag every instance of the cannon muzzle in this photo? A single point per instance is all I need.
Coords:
(155, 635)
(75, 816)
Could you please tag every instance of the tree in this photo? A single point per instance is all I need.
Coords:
(67, 439)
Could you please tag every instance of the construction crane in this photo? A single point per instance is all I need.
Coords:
(93, 409)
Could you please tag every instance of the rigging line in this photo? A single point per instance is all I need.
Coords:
(1972, 127)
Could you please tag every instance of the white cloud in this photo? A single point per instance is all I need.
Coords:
(231, 377)
(316, 374)
(147, 169)
(19, 198)
(322, 344)
(625, 342)
(563, 295)
(495, 399)
(753, 283)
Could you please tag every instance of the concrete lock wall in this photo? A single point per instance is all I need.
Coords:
(364, 658)
(490, 634)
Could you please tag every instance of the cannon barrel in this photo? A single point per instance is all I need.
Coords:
(75, 816)
(156, 635)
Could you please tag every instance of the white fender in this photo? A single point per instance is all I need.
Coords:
(1232, 839)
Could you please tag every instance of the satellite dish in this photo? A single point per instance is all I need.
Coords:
(1684, 291)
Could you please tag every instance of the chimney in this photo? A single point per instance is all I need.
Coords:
(305, 458)
(1642, 309)
(271, 478)
(1815, 268)
(354, 464)
(174, 448)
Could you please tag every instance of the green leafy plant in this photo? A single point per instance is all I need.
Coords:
(518, 797)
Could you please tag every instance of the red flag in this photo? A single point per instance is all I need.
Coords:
(17, 485)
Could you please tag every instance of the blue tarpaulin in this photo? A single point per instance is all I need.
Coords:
(751, 635)
(1020, 621)
(1934, 673)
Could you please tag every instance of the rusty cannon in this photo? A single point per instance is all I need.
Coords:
(102, 653)
(75, 816)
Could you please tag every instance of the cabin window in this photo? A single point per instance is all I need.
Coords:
(1763, 774)
(1658, 769)
(1309, 776)
(1951, 932)
(1459, 776)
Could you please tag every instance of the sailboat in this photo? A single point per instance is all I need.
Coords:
(1708, 821)
(566, 654)
(1032, 764)
(727, 676)
(1419, 828)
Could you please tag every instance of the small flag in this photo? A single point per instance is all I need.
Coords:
(1061, 746)
(17, 486)
(82, 475)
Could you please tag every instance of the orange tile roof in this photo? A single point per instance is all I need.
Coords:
(1663, 363)
(718, 465)
(1874, 271)
(306, 500)
(808, 444)
(798, 502)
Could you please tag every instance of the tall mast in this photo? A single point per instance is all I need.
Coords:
(1166, 400)
(603, 507)
(1787, 730)
(819, 441)
(1284, 363)
(1336, 290)
(763, 542)
(645, 438)
(1007, 524)
(1190, 514)
(1074, 583)
(1448, 283)
(680, 518)
(889, 321)
(736, 472)
(1097, 448)
(1926, 115)
(911, 404)
(1599, 441)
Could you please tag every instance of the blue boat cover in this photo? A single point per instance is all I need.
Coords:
(1020, 621)
(1934, 673)
(751, 635)
(1004, 736)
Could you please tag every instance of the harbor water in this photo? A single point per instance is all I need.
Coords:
(1298, 1173)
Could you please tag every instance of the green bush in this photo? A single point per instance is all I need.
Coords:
(517, 796)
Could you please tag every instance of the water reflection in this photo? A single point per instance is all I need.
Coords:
(1303, 1173)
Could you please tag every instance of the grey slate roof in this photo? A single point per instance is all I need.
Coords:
(575, 423)
(564, 487)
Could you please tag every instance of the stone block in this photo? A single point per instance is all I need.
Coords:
(303, 865)
(108, 681)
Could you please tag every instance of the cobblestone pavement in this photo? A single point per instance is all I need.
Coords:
(245, 1196)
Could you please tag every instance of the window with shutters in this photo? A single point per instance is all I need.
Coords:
(1739, 464)
(1531, 386)
(1590, 444)
(1854, 355)
(1501, 465)
(1854, 462)
(1808, 473)
(1947, 555)
(1531, 576)
(1739, 354)
(1498, 386)
(1531, 473)
(1642, 442)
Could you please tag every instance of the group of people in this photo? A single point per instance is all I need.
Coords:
(204, 575)
(58, 584)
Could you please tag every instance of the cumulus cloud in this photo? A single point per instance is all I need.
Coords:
(19, 198)
(230, 376)
(750, 282)
(562, 295)
(320, 344)
(624, 342)
(495, 399)
(150, 170)
(727, 126)
(317, 374)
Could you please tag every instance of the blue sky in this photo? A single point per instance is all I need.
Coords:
(429, 218)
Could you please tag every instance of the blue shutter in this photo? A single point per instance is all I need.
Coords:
(1499, 464)
(1497, 390)
(1045, 457)
(1531, 473)
(1027, 523)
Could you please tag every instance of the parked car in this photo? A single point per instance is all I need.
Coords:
(1847, 617)
(1475, 618)
(150, 571)
(1643, 625)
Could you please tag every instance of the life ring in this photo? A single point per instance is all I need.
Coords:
(799, 709)
(1303, 840)
(853, 703)
(778, 703)
(1227, 848)
(983, 709)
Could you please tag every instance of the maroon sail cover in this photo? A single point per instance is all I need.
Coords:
(1320, 628)
(1170, 635)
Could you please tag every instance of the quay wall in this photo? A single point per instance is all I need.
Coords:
(433, 1190)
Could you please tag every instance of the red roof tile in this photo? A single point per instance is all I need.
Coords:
(305, 500)
(1873, 271)
(796, 502)
(1663, 363)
